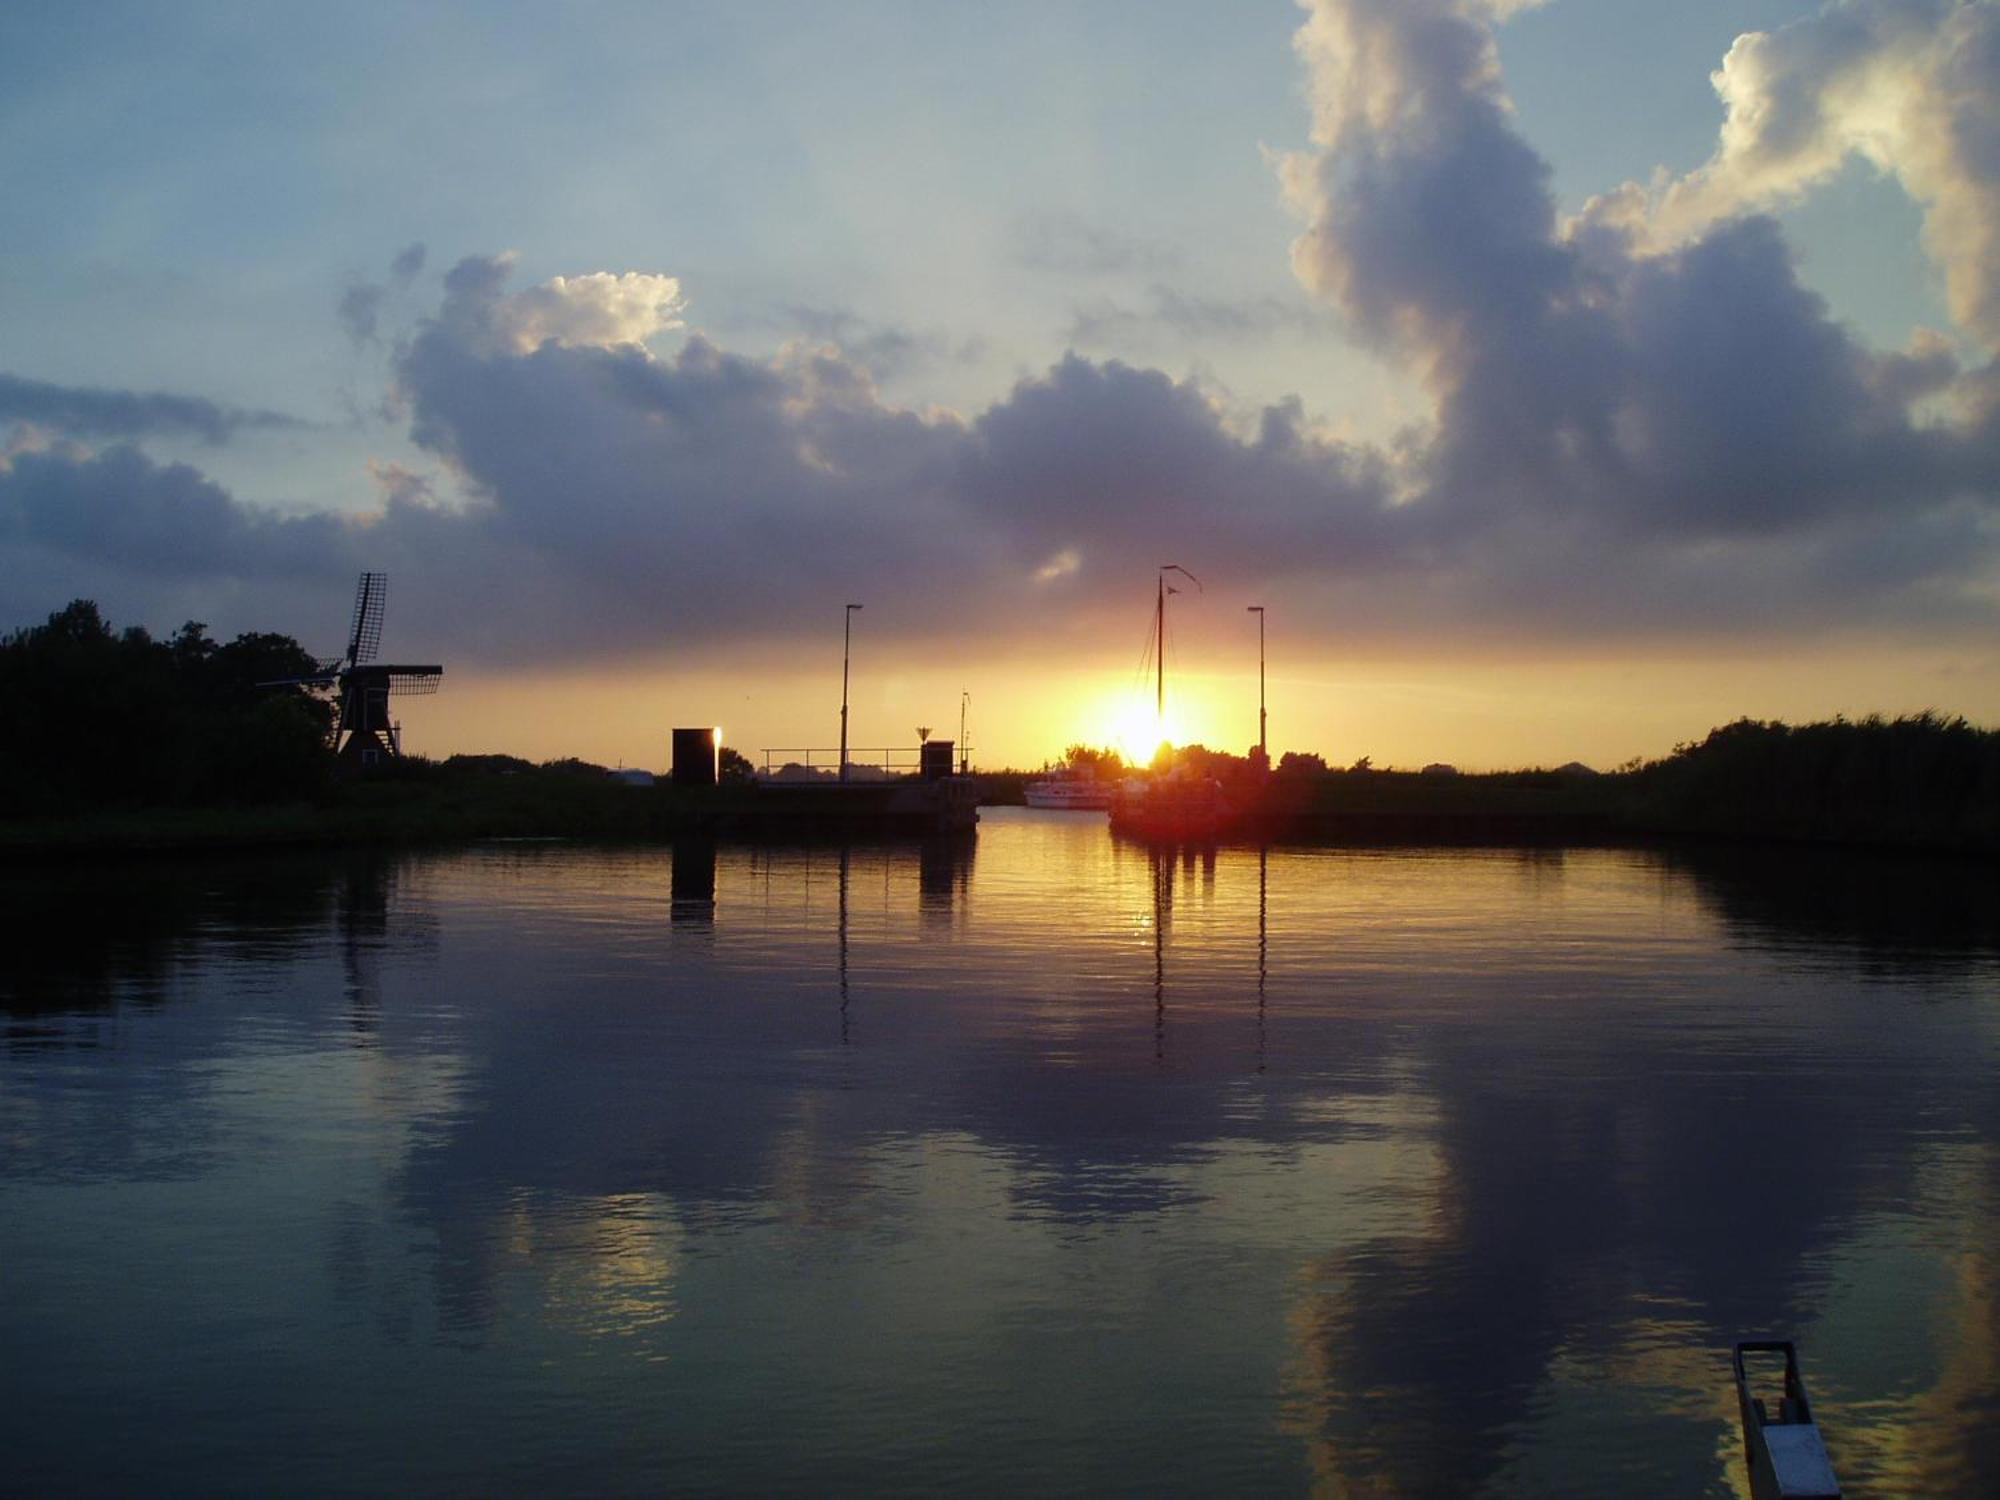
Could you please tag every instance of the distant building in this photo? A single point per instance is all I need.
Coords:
(631, 776)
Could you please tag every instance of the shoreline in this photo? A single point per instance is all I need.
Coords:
(622, 815)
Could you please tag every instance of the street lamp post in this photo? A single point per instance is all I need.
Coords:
(964, 757)
(1263, 741)
(846, 645)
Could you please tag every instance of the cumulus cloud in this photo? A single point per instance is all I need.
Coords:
(621, 501)
(600, 310)
(1910, 86)
(1628, 436)
(1583, 385)
(90, 412)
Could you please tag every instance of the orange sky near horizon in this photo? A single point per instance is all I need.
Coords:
(1499, 714)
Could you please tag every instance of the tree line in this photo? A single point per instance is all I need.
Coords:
(94, 718)
(1923, 779)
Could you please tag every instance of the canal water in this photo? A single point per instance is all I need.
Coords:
(1035, 1163)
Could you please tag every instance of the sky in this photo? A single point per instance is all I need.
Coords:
(1564, 379)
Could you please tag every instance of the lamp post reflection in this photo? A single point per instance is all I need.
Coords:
(842, 925)
(1263, 942)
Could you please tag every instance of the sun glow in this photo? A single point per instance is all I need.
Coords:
(1129, 725)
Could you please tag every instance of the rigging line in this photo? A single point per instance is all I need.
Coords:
(1145, 669)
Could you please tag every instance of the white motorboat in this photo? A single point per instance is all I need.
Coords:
(1067, 792)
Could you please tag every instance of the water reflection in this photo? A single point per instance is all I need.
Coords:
(845, 856)
(1536, 1139)
(1263, 944)
(692, 877)
(1895, 910)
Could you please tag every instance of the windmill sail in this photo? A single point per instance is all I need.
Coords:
(366, 637)
(364, 731)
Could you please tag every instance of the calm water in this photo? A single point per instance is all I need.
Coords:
(1034, 1164)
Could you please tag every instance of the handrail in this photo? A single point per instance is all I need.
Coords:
(883, 756)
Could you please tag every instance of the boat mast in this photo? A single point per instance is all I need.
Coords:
(1160, 641)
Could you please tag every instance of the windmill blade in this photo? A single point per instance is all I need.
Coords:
(413, 681)
(366, 637)
(318, 679)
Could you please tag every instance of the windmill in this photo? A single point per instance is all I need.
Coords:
(364, 734)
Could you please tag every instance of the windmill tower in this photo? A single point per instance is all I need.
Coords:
(365, 735)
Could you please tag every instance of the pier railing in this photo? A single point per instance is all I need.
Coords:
(819, 763)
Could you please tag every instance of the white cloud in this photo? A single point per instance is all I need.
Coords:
(599, 310)
(1911, 86)
(1063, 565)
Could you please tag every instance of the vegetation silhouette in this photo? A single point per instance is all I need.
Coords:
(115, 739)
(100, 719)
(1920, 780)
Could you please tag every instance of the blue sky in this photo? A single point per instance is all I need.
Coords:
(953, 198)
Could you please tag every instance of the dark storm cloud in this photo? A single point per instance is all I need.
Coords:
(88, 412)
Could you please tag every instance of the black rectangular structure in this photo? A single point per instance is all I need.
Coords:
(935, 760)
(697, 756)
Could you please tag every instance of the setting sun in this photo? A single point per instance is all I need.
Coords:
(1128, 724)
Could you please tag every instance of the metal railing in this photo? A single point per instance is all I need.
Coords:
(815, 762)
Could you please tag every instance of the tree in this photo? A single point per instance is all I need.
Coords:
(1103, 765)
(96, 719)
(735, 769)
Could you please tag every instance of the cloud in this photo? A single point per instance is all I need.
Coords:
(600, 310)
(88, 412)
(362, 302)
(886, 350)
(1064, 244)
(408, 264)
(119, 507)
(1630, 438)
(360, 310)
(1589, 392)
(1063, 565)
(1188, 315)
(1910, 86)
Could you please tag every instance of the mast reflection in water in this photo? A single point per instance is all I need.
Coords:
(1045, 1161)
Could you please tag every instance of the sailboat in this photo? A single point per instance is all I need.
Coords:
(1169, 806)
